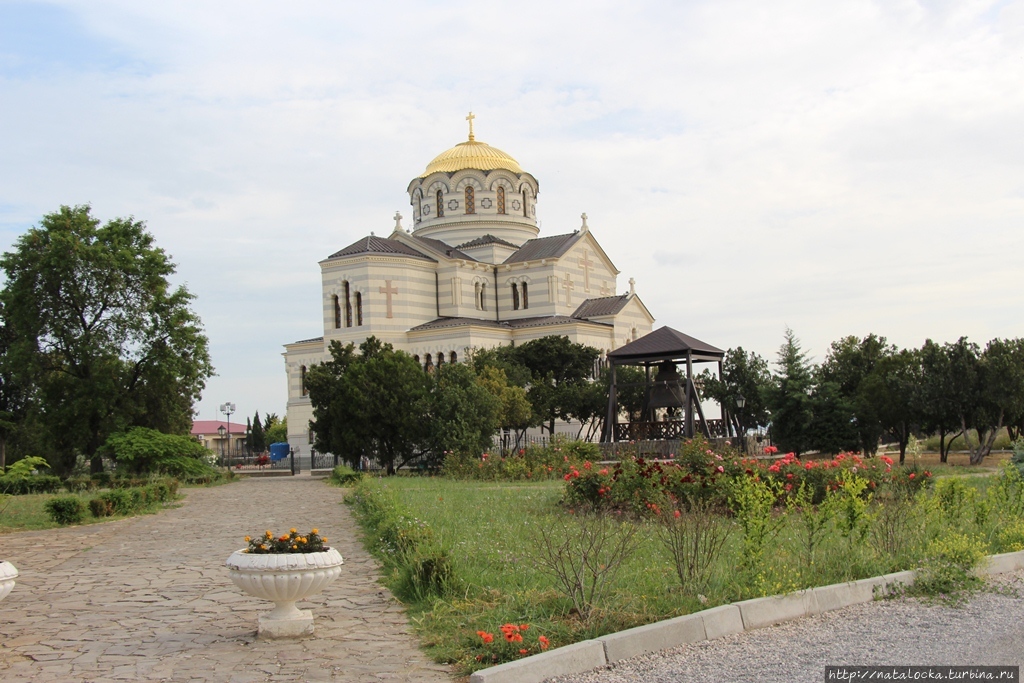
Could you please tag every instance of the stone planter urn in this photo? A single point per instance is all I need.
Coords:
(284, 578)
(8, 573)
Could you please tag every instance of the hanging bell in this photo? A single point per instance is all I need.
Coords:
(667, 389)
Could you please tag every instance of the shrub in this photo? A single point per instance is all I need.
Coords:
(947, 571)
(101, 507)
(343, 475)
(583, 552)
(694, 536)
(1011, 537)
(79, 483)
(66, 509)
(36, 483)
(141, 450)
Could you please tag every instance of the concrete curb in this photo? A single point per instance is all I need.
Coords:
(709, 624)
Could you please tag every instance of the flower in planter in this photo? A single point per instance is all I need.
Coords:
(292, 542)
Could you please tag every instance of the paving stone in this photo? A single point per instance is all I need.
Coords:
(148, 598)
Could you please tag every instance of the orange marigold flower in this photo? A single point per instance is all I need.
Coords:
(283, 538)
(324, 539)
(486, 637)
(544, 642)
(316, 531)
(523, 652)
(269, 533)
(524, 627)
(247, 539)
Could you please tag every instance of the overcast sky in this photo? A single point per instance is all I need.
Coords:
(839, 168)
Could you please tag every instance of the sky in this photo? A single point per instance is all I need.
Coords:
(839, 168)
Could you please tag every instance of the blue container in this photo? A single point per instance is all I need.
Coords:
(278, 451)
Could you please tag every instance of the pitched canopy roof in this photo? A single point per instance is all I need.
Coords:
(665, 343)
(544, 247)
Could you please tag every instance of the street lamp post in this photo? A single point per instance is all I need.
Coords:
(227, 409)
(740, 402)
(222, 432)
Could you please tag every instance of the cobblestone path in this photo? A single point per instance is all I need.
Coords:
(149, 598)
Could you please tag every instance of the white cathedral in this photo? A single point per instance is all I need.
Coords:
(472, 273)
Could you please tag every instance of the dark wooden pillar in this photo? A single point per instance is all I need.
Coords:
(690, 398)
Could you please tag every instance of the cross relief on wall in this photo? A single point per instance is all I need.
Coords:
(586, 264)
(568, 285)
(388, 290)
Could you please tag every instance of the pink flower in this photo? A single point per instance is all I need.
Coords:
(720, 468)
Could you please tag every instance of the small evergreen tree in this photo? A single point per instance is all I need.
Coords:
(790, 399)
(258, 436)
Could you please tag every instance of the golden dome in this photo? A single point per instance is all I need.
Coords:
(471, 154)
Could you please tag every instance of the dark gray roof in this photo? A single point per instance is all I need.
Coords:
(378, 245)
(544, 247)
(664, 343)
(487, 239)
(518, 323)
(306, 341)
(606, 305)
(442, 248)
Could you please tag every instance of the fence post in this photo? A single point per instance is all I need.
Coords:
(291, 456)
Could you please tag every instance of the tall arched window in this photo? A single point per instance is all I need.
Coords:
(453, 358)
(526, 297)
(483, 296)
(501, 199)
(416, 358)
(440, 204)
(419, 205)
(429, 365)
(476, 295)
(440, 360)
(515, 297)
(348, 305)
(470, 199)
(359, 309)
(337, 311)
(302, 381)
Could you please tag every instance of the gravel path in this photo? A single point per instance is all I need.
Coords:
(989, 630)
(149, 598)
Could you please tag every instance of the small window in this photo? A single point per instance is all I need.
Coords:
(417, 359)
(515, 297)
(526, 210)
(302, 381)
(359, 309)
(429, 364)
(526, 298)
(440, 205)
(453, 358)
(501, 199)
(470, 199)
(440, 360)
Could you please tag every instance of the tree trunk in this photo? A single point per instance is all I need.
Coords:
(3, 453)
(943, 453)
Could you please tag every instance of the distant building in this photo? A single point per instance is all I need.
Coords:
(472, 273)
(207, 433)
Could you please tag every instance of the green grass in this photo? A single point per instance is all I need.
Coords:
(490, 533)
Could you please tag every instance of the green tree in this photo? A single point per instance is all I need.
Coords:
(369, 404)
(463, 415)
(833, 426)
(847, 365)
(789, 398)
(894, 387)
(257, 437)
(1001, 392)
(99, 333)
(275, 429)
(557, 368)
(515, 412)
(743, 374)
(938, 401)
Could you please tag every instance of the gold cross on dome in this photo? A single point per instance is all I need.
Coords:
(470, 119)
